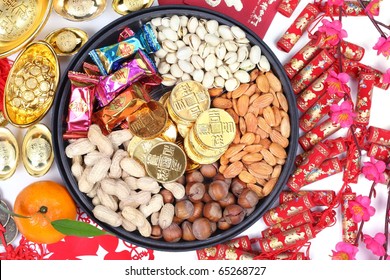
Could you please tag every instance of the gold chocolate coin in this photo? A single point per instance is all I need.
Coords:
(67, 41)
(174, 117)
(191, 165)
(124, 7)
(166, 162)
(183, 130)
(9, 153)
(215, 128)
(202, 150)
(79, 10)
(189, 99)
(133, 144)
(143, 148)
(164, 98)
(196, 157)
(170, 132)
(149, 120)
(37, 151)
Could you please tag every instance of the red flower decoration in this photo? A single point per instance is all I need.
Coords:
(342, 114)
(344, 251)
(383, 46)
(337, 83)
(372, 9)
(333, 31)
(375, 244)
(374, 170)
(335, 2)
(360, 209)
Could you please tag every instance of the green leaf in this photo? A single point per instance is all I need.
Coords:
(3, 209)
(76, 228)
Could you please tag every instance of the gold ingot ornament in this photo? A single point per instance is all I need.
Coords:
(9, 153)
(31, 85)
(124, 7)
(20, 23)
(79, 10)
(37, 150)
(67, 41)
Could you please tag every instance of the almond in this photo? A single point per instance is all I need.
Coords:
(274, 82)
(254, 110)
(222, 103)
(242, 125)
(240, 90)
(266, 143)
(277, 171)
(263, 125)
(251, 90)
(279, 138)
(263, 100)
(253, 98)
(233, 150)
(278, 117)
(262, 83)
(233, 170)
(252, 158)
(285, 128)
(262, 133)
(251, 122)
(224, 160)
(246, 177)
(253, 148)
(257, 189)
(222, 168)
(282, 101)
(242, 105)
(238, 156)
(233, 114)
(269, 116)
(215, 92)
(237, 137)
(261, 167)
(277, 150)
(248, 138)
(254, 73)
(268, 157)
(269, 186)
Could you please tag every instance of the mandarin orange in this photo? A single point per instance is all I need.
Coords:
(43, 202)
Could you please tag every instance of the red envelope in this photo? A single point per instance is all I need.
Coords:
(170, 2)
(256, 15)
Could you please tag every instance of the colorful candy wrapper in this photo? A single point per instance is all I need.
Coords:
(303, 56)
(320, 198)
(298, 27)
(110, 86)
(318, 133)
(294, 221)
(80, 104)
(287, 210)
(310, 95)
(349, 8)
(319, 110)
(363, 101)
(127, 32)
(91, 69)
(352, 168)
(111, 58)
(379, 152)
(287, 240)
(378, 136)
(349, 227)
(287, 7)
(312, 71)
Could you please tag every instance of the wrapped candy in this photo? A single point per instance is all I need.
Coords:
(300, 24)
(349, 8)
(312, 71)
(287, 7)
(363, 102)
(349, 227)
(91, 69)
(379, 152)
(320, 198)
(287, 210)
(111, 58)
(303, 56)
(294, 221)
(378, 136)
(316, 112)
(127, 32)
(318, 133)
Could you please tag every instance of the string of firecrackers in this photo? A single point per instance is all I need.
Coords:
(75, 248)
(319, 74)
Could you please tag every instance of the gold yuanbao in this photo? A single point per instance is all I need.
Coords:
(20, 23)
(215, 128)
(196, 157)
(143, 148)
(79, 10)
(165, 162)
(149, 121)
(37, 150)
(67, 41)
(31, 85)
(9, 153)
(124, 7)
(188, 100)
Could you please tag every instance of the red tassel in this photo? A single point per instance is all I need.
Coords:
(5, 67)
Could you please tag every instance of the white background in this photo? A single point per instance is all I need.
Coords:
(360, 31)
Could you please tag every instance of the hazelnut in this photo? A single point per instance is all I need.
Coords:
(167, 196)
(195, 191)
(220, 176)
(234, 214)
(249, 211)
(218, 190)
(237, 187)
(248, 199)
(228, 200)
(184, 209)
(181, 180)
(201, 228)
(194, 176)
(173, 233)
(207, 198)
(209, 170)
(186, 228)
(177, 220)
(213, 226)
(198, 211)
(212, 211)
(156, 232)
(223, 225)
